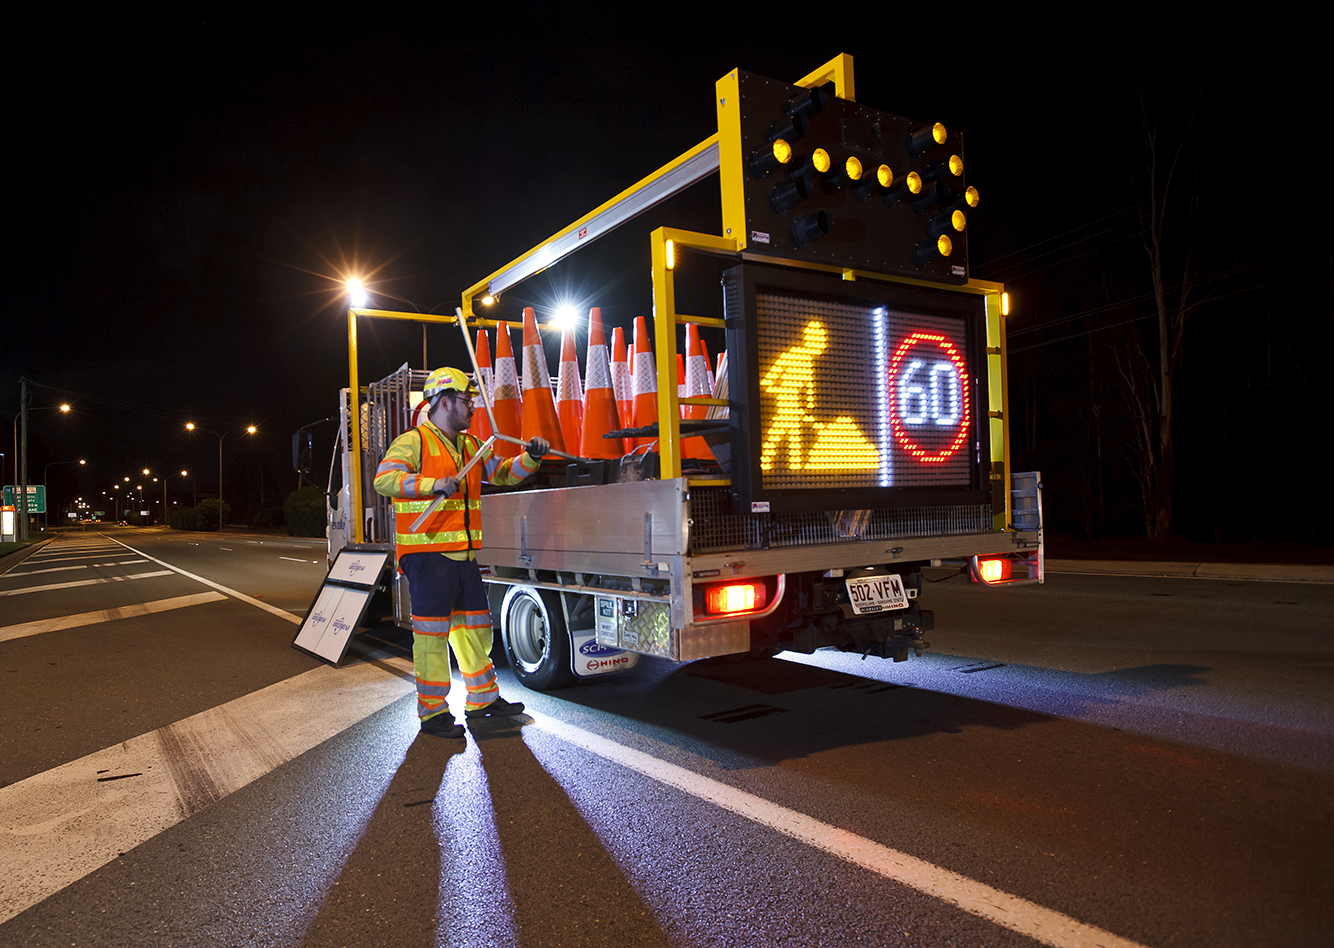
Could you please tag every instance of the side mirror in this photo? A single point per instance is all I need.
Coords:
(303, 451)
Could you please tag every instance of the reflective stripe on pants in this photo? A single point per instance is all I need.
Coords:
(450, 611)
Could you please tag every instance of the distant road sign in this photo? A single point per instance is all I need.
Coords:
(36, 498)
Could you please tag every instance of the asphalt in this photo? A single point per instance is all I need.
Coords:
(10, 560)
(1234, 572)
(1237, 572)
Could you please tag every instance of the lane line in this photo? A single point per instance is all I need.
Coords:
(281, 613)
(49, 569)
(1009, 911)
(58, 826)
(51, 587)
(105, 615)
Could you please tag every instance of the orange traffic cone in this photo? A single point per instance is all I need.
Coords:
(680, 383)
(486, 382)
(696, 383)
(539, 406)
(708, 363)
(569, 392)
(506, 396)
(621, 388)
(645, 381)
(600, 415)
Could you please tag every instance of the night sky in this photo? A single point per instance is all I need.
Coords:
(191, 190)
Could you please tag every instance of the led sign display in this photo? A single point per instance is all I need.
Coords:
(868, 390)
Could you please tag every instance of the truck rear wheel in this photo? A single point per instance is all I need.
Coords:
(537, 644)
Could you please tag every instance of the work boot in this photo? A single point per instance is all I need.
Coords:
(500, 708)
(442, 725)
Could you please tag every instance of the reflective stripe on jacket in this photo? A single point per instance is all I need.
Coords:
(412, 465)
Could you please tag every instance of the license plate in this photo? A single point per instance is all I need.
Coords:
(877, 594)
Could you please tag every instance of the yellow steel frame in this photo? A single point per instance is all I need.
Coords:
(665, 321)
(484, 285)
(733, 241)
(354, 387)
(731, 162)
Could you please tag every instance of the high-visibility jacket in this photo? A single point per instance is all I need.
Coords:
(414, 462)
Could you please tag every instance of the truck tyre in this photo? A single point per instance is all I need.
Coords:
(537, 644)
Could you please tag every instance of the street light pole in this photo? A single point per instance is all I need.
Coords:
(21, 456)
(249, 429)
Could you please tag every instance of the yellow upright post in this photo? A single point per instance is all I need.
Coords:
(664, 333)
(354, 449)
(731, 167)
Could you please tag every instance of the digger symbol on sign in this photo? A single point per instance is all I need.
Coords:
(838, 445)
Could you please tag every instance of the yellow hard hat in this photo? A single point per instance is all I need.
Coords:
(447, 379)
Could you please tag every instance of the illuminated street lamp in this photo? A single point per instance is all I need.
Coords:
(249, 429)
(21, 455)
(356, 302)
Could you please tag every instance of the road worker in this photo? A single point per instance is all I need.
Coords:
(449, 604)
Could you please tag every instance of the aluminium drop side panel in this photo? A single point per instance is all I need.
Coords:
(573, 521)
(634, 529)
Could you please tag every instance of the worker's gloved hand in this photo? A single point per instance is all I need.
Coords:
(538, 447)
(446, 485)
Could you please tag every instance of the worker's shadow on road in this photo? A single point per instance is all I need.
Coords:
(565, 887)
(389, 891)
(769, 710)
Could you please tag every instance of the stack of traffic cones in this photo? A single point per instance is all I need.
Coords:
(506, 396)
(680, 383)
(708, 362)
(644, 379)
(539, 407)
(721, 442)
(600, 414)
(420, 412)
(569, 393)
(486, 383)
(696, 383)
(621, 387)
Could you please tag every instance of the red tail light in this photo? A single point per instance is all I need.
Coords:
(734, 598)
(994, 571)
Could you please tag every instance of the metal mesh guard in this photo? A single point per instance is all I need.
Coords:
(716, 528)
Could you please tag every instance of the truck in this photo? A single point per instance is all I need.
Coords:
(858, 435)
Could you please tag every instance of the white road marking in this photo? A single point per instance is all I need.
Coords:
(52, 569)
(57, 827)
(50, 587)
(1009, 911)
(281, 613)
(293, 559)
(39, 626)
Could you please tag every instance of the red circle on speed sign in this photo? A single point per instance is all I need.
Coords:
(914, 385)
